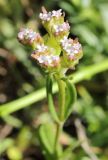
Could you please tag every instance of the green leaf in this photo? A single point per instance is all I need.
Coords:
(46, 133)
(70, 98)
(46, 137)
(50, 99)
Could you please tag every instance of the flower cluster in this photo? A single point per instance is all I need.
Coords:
(28, 36)
(42, 54)
(47, 61)
(47, 50)
(61, 28)
(48, 16)
(71, 47)
(54, 22)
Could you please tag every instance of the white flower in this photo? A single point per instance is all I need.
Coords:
(45, 16)
(57, 13)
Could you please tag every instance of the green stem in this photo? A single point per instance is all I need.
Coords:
(50, 99)
(58, 132)
(58, 119)
(61, 86)
(38, 95)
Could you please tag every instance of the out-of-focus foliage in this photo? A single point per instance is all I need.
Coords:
(89, 21)
(19, 75)
(13, 16)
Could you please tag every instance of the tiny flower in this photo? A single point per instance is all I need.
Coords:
(28, 36)
(61, 28)
(57, 13)
(45, 16)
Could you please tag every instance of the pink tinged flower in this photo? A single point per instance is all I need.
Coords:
(64, 27)
(28, 36)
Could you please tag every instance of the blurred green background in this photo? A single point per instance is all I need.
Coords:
(20, 76)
